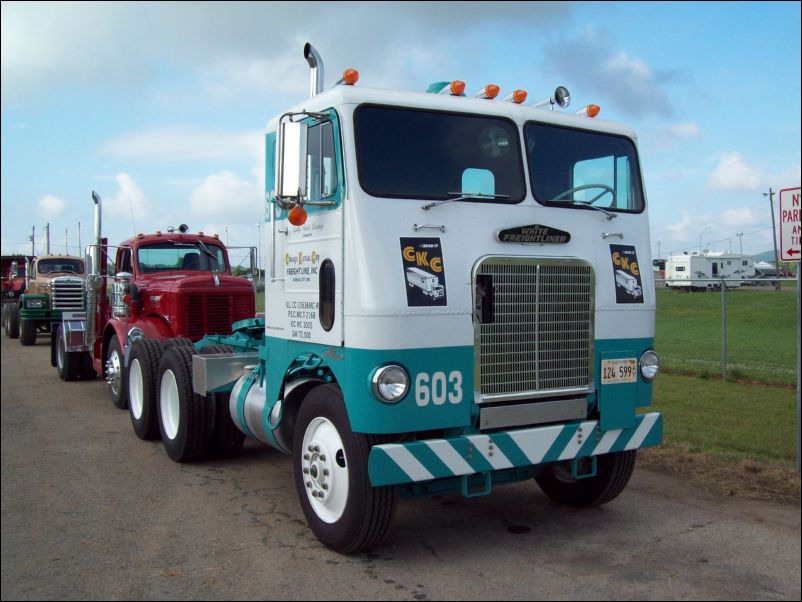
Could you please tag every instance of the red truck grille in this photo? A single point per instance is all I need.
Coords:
(214, 314)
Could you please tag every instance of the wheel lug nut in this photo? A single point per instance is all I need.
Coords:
(322, 458)
(309, 484)
(325, 472)
(306, 471)
(325, 486)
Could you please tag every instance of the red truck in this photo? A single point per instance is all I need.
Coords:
(167, 286)
(12, 270)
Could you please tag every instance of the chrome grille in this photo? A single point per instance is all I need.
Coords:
(539, 341)
(67, 294)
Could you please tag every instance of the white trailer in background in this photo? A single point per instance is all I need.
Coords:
(706, 271)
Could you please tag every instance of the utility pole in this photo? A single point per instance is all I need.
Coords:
(741, 241)
(700, 238)
(66, 241)
(770, 194)
(79, 239)
(33, 241)
(47, 238)
(659, 256)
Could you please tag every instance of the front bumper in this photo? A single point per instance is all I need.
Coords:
(419, 461)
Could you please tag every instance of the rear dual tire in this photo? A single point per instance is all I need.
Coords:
(193, 426)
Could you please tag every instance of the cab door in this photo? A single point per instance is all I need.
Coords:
(304, 292)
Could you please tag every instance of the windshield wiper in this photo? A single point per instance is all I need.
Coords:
(461, 196)
(610, 215)
(206, 250)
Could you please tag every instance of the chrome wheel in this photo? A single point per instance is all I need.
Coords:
(114, 374)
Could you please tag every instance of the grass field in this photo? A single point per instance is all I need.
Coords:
(761, 334)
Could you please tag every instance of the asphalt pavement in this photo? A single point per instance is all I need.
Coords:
(91, 512)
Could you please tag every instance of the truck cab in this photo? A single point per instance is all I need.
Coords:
(54, 284)
(530, 361)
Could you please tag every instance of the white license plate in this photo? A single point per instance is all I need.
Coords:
(619, 371)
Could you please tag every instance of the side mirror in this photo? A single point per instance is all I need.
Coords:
(291, 171)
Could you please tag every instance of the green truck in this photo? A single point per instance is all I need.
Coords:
(54, 285)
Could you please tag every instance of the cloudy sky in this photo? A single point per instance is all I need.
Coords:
(160, 107)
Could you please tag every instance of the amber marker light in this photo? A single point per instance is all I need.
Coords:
(297, 216)
(490, 91)
(349, 78)
(589, 111)
(518, 96)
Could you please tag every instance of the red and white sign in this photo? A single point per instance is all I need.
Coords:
(790, 231)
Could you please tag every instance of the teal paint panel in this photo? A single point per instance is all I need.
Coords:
(617, 403)
(352, 369)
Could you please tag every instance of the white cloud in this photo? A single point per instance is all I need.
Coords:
(609, 74)
(51, 207)
(230, 43)
(228, 199)
(732, 173)
(187, 143)
(684, 131)
(744, 217)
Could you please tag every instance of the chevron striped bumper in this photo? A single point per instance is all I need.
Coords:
(400, 463)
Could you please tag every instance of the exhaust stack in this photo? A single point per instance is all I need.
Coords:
(94, 279)
(316, 65)
(94, 251)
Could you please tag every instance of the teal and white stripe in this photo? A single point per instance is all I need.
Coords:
(399, 463)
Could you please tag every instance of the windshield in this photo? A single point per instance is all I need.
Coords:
(579, 167)
(174, 256)
(410, 153)
(60, 264)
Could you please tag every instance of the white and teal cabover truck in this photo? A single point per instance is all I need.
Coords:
(532, 363)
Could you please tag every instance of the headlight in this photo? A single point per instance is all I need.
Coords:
(649, 365)
(34, 303)
(390, 383)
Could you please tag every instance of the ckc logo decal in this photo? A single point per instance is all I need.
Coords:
(438, 388)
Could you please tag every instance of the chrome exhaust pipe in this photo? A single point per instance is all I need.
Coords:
(316, 65)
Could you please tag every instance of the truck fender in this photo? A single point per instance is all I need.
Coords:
(304, 374)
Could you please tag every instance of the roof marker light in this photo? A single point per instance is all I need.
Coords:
(349, 78)
(518, 96)
(589, 111)
(455, 88)
(490, 91)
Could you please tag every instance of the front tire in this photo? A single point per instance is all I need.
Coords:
(613, 472)
(27, 334)
(68, 364)
(345, 512)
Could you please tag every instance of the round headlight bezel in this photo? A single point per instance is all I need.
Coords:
(390, 383)
(649, 365)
